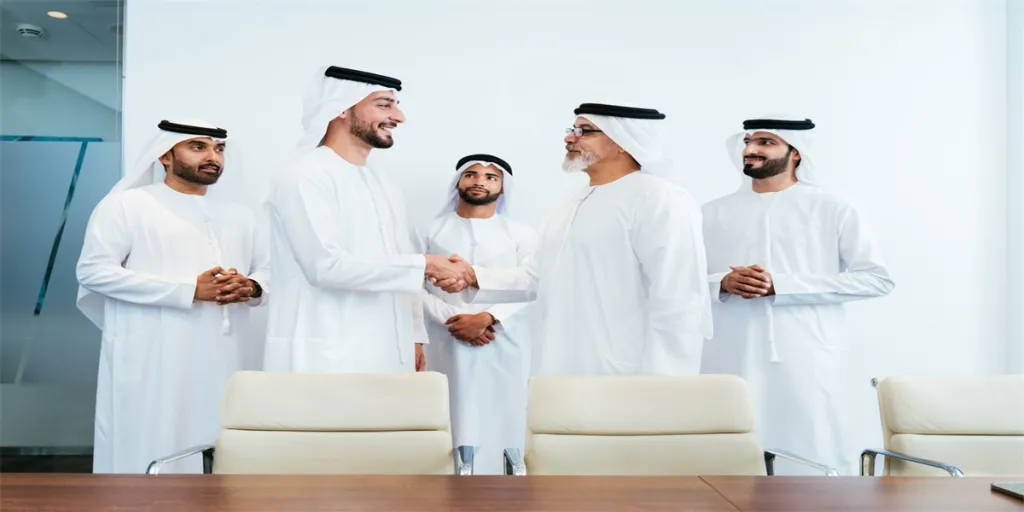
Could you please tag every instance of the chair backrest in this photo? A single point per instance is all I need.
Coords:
(277, 423)
(973, 423)
(641, 425)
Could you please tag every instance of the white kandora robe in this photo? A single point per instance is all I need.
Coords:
(346, 276)
(487, 384)
(620, 282)
(790, 346)
(165, 359)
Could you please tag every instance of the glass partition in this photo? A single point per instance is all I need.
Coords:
(60, 152)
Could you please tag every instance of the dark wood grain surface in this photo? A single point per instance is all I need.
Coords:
(370, 493)
(835, 494)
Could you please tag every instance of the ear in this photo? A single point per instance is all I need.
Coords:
(166, 158)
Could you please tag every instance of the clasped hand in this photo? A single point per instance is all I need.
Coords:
(473, 329)
(749, 282)
(224, 286)
(450, 274)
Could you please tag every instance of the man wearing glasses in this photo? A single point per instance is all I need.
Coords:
(620, 274)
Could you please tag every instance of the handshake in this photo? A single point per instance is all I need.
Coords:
(451, 274)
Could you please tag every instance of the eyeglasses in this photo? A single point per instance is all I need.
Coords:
(579, 132)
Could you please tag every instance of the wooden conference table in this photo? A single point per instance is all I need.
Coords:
(42, 492)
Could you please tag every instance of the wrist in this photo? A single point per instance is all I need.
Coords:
(257, 290)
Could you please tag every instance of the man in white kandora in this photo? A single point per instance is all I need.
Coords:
(347, 281)
(619, 276)
(783, 255)
(482, 348)
(169, 274)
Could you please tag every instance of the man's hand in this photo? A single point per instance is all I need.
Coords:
(749, 282)
(451, 274)
(421, 360)
(206, 285)
(472, 329)
(234, 287)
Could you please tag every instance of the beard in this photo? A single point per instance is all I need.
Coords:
(769, 168)
(477, 200)
(579, 162)
(192, 174)
(367, 133)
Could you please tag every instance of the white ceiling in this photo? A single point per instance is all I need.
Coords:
(85, 36)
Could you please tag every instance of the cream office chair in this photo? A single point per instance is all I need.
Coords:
(277, 423)
(642, 425)
(957, 426)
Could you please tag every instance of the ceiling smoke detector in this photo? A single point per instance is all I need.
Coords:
(32, 31)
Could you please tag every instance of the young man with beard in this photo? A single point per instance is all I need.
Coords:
(783, 256)
(620, 275)
(482, 348)
(344, 262)
(168, 275)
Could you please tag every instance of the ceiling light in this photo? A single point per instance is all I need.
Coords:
(57, 14)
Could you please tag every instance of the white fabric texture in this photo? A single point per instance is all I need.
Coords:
(147, 171)
(347, 277)
(802, 140)
(487, 384)
(325, 99)
(642, 139)
(790, 347)
(165, 359)
(508, 185)
(620, 283)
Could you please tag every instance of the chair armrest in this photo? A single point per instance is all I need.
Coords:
(514, 464)
(867, 462)
(464, 460)
(205, 449)
(771, 455)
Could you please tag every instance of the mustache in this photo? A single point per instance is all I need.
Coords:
(210, 165)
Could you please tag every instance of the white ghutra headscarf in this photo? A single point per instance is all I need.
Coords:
(483, 159)
(334, 90)
(797, 132)
(636, 130)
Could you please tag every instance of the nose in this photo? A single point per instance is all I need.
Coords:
(214, 156)
(569, 138)
(397, 115)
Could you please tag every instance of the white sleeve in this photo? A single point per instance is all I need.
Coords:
(863, 273)
(507, 285)
(419, 327)
(100, 266)
(439, 311)
(260, 266)
(668, 241)
(526, 244)
(306, 210)
(715, 287)
(503, 285)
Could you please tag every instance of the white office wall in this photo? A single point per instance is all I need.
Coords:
(909, 97)
(1015, 182)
